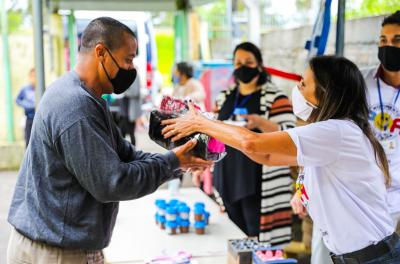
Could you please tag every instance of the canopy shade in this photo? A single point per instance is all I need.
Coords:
(120, 5)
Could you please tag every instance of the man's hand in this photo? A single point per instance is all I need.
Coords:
(187, 160)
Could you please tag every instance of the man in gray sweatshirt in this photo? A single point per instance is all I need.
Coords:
(77, 167)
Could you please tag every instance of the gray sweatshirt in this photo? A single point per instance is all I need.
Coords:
(76, 169)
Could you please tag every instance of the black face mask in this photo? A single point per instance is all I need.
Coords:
(246, 74)
(123, 79)
(390, 58)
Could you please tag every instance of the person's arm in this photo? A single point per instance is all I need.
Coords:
(281, 116)
(298, 207)
(282, 112)
(317, 144)
(273, 159)
(126, 151)
(22, 100)
(268, 126)
(89, 155)
(255, 121)
(237, 137)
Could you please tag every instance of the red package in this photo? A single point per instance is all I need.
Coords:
(174, 105)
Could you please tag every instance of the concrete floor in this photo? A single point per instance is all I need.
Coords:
(8, 180)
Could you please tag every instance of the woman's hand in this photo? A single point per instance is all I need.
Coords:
(255, 121)
(183, 126)
(298, 207)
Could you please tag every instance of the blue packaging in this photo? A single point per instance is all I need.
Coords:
(184, 212)
(199, 204)
(171, 213)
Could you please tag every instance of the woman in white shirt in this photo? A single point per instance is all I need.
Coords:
(345, 171)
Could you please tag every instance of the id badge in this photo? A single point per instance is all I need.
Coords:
(389, 146)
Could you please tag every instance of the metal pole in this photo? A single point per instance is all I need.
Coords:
(185, 34)
(7, 73)
(72, 35)
(340, 28)
(181, 28)
(229, 22)
(254, 23)
(38, 48)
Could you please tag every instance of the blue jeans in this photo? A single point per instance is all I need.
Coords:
(393, 257)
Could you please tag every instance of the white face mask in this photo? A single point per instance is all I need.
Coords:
(301, 107)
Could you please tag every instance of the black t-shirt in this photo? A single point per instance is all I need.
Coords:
(236, 176)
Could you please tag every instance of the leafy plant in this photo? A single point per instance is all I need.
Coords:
(373, 8)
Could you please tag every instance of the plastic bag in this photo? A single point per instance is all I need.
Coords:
(206, 148)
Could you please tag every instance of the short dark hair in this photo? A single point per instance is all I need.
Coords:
(104, 30)
(250, 47)
(185, 69)
(392, 19)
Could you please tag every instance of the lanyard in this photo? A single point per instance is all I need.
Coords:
(381, 101)
(242, 103)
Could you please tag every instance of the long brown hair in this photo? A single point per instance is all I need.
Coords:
(341, 93)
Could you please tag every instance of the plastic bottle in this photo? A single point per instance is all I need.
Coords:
(199, 204)
(156, 217)
(174, 202)
(184, 212)
(161, 206)
(198, 214)
(200, 227)
(173, 187)
(162, 221)
(207, 217)
(171, 214)
(184, 226)
(171, 227)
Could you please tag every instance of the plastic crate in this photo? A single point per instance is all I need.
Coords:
(257, 260)
(240, 251)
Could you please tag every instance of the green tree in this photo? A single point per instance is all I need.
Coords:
(214, 13)
(303, 4)
(373, 8)
(15, 19)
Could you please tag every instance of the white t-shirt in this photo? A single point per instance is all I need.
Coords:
(389, 137)
(342, 187)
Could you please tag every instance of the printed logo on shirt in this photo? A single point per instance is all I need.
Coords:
(301, 189)
(386, 126)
